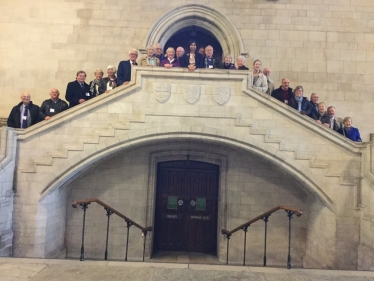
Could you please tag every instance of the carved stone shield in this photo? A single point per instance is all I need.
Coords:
(162, 91)
(222, 94)
(192, 94)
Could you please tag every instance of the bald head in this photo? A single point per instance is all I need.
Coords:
(267, 71)
(25, 97)
(54, 93)
(285, 83)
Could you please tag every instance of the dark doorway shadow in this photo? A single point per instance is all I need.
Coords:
(202, 36)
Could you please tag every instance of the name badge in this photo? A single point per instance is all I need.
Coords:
(210, 66)
(52, 110)
(24, 117)
(87, 94)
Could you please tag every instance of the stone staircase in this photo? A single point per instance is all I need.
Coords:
(301, 140)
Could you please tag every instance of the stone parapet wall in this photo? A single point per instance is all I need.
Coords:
(8, 145)
(366, 246)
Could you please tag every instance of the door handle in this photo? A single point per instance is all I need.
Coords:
(193, 203)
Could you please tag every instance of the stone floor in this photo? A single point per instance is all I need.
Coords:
(15, 269)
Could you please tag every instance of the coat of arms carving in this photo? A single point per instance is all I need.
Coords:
(162, 91)
(222, 94)
(192, 94)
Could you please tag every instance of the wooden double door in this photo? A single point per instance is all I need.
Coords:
(186, 207)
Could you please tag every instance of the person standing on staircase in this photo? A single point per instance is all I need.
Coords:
(314, 103)
(25, 114)
(124, 68)
(284, 92)
(78, 91)
(330, 121)
(270, 82)
(54, 105)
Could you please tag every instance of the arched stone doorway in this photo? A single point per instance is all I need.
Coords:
(202, 36)
(201, 18)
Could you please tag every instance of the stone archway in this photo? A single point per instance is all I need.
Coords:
(201, 16)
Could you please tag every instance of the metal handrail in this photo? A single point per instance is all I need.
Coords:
(109, 211)
(248, 223)
(265, 217)
(91, 200)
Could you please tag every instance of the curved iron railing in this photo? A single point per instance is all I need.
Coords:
(109, 211)
(265, 217)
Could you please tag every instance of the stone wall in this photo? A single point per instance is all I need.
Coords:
(326, 46)
(8, 144)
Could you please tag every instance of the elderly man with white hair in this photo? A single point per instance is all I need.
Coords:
(158, 52)
(209, 60)
(25, 114)
(124, 68)
(270, 82)
(179, 53)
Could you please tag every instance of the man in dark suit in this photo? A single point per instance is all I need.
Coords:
(124, 68)
(209, 61)
(179, 54)
(78, 91)
(330, 121)
(284, 92)
(159, 52)
(314, 103)
(25, 114)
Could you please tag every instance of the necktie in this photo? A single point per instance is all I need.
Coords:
(24, 118)
(134, 63)
(81, 85)
(332, 123)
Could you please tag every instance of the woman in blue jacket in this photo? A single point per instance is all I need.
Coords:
(348, 131)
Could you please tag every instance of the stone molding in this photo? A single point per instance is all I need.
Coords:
(197, 15)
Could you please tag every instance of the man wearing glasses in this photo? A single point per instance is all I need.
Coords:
(124, 68)
(158, 52)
